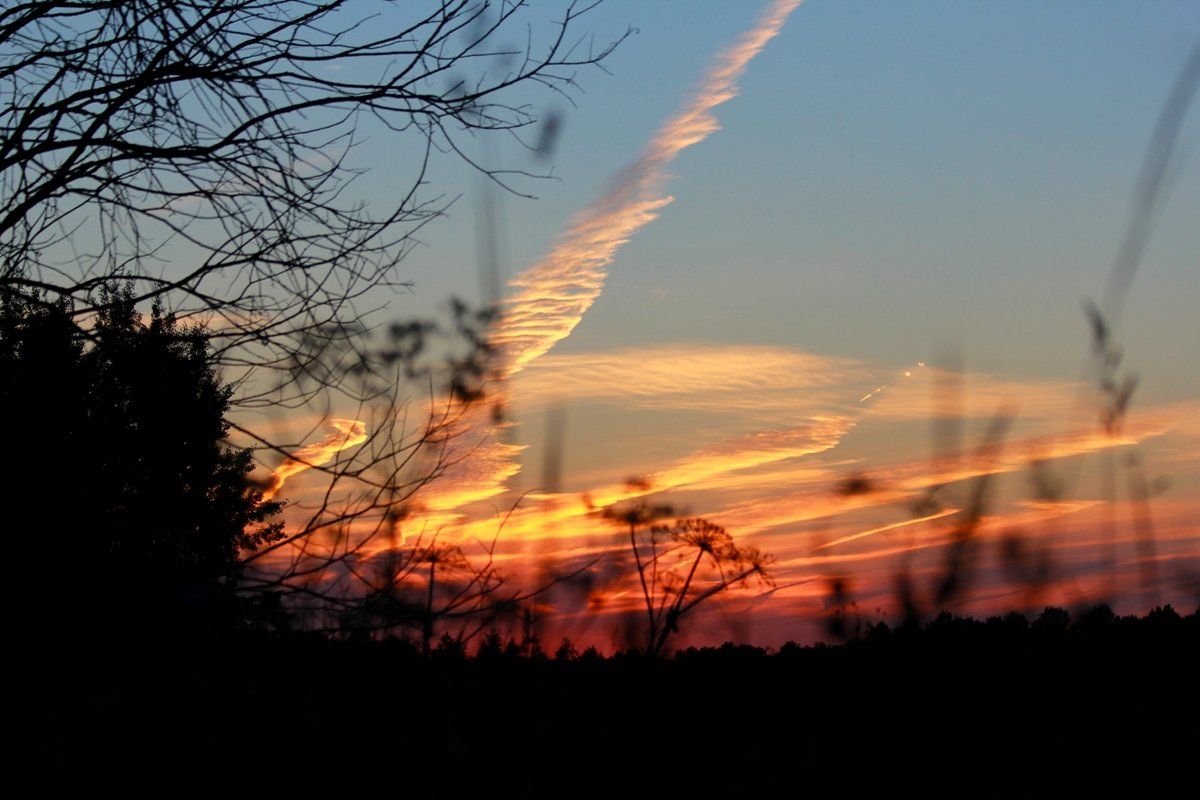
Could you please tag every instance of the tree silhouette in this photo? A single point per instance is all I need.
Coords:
(207, 154)
(145, 507)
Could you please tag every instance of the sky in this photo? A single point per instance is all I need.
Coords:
(816, 272)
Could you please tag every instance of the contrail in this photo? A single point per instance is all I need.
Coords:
(350, 432)
(552, 296)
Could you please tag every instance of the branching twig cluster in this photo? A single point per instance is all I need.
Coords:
(204, 151)
(681, 565)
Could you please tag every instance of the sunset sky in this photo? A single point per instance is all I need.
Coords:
(877, 247)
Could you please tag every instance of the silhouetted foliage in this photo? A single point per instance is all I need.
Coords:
(566, 651)
(1052, 622)
(206, 155)
(990, 708)
(449, 649)
(126, 499)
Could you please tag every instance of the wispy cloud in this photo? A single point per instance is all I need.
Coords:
(900, 483)
(349, 433)
(552, 296)
(698, 376)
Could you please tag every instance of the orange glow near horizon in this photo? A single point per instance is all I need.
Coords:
(790, 461)
(567, 528)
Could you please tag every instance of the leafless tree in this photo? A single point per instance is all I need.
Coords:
(137, 137)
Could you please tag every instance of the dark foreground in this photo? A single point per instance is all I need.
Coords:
(1002, 708)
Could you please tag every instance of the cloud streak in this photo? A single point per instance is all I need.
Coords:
(551, 297)
(350, 433)
(697, 376)
(900, 484)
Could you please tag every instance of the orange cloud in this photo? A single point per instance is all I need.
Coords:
(350, 433)
(552, 296)
(901, 483)
(733, 455)
(698, 376)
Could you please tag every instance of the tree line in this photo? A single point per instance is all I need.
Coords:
(1057, 705)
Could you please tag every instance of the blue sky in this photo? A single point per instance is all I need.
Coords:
(891, 178)
(895, 183)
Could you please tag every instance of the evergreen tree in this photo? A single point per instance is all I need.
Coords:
(127, 506)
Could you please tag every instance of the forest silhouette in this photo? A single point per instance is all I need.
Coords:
(998, 708)
(148, 658)
(130, 510)
(141, 667)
